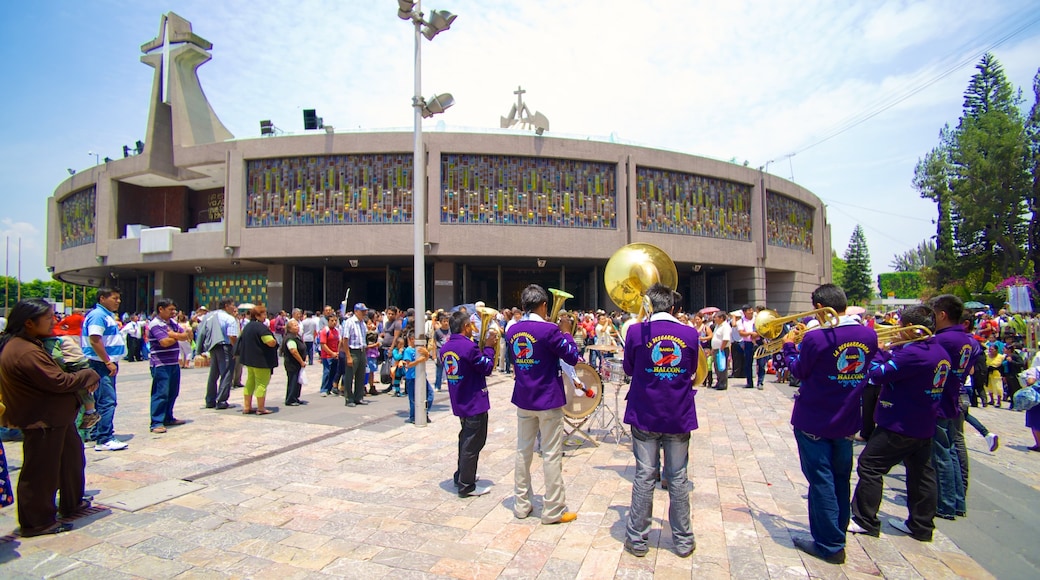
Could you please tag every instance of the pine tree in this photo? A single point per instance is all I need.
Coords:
(1033, 164)
(990, 181)
(932, 180)
(857, 279)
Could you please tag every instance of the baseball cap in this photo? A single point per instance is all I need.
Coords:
(360, 306)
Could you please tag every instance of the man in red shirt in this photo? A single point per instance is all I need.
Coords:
(328, 340)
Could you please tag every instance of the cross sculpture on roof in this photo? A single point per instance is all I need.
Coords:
(519, 114)
(173, 31)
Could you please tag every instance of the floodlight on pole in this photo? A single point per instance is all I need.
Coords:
(439, 21)
(437, 104)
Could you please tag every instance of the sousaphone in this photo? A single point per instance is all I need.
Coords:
(632, 270)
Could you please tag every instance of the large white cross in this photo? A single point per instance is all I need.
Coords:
(164, 75)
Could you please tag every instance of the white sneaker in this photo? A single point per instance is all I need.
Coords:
(899, 525)
(855, 528)
(112, 445)
(994, 441)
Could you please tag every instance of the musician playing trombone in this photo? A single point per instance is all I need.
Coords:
(832, 363)
(661, 357)
(912, 378)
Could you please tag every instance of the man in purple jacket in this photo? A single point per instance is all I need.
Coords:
(661, 358)
(536, 348)
(832, 365)
(949, 454)
(466, 369)
(912, 379)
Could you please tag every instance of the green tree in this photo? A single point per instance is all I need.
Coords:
(914, 260)
(857, 279)
(837, 267)
(990, 181)
(1033, 164)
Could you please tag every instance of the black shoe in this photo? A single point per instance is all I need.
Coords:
(808, 545)
(222, 406)
(637, 551)
(362, 402)
(211, 406)
(293, 404)
(950, 517)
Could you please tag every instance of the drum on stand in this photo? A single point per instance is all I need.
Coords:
(581, 404)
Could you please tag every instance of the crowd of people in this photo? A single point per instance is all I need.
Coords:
(907, 400)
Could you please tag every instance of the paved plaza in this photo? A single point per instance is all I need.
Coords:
(323, 490)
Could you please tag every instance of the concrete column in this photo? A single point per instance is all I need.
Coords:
(172, 286)
(444, 281)
(279, 287)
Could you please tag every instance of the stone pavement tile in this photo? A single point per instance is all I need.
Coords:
(462, 522)
(68, 543)
(466, 569)
(129, 537)
(305, 541)
(600, 564)
(202, 574)
(206, 557)
(747, 562)
(531, 557)
(555, 568)
(161, 547)
(896, 572)
(42, 563)
(930, 567)
(707, 567)
(450, 549)
(153, 568)
(357, 569)
(964, 567)
(86, 572)
(399, 558)
(267, 550)
(786, 568)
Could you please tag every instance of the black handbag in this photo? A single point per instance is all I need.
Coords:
(384, 372)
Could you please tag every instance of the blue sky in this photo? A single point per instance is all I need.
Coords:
(754, 81)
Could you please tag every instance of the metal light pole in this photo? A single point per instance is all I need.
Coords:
(440, 21)
(419, 225)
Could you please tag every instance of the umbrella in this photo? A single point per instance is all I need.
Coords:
(708, 310)
(974, 304)
(470, 308)
(852, 310)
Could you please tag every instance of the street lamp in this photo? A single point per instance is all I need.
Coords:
(97, 157)
(440, 20)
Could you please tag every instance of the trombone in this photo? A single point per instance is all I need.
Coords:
(770, 325)
(890, 335)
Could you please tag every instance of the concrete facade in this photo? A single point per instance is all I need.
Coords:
(192, 176)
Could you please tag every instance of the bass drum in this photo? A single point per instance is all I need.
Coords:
(580, 405)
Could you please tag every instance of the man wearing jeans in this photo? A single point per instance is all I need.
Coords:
(661, 358)
(328, 339)
(104, 347)
(832, 364)
(163, 356)
(746, 336)
(537, 347)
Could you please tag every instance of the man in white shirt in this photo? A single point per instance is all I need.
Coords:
(746, 330)
(132, 331)
(720, 342)
(220, 329)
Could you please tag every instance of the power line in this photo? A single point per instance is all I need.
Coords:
(890, 102)
(888, 213)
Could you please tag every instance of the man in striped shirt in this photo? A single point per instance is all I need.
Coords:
(164, 355)
(104, 347)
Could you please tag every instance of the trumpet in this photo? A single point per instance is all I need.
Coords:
(890, 336)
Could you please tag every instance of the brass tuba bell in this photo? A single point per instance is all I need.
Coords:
(487, 318)
(633, 269)
(559, 297)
